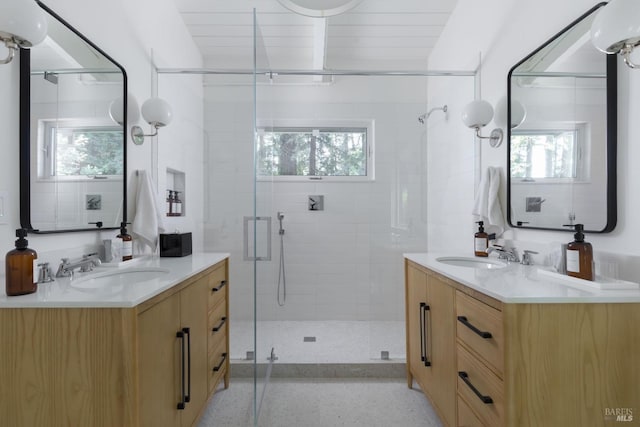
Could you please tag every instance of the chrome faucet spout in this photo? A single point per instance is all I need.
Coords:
(86, 263)
(507, 254)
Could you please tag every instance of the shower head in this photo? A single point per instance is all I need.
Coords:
(280, 216)
(424, 117)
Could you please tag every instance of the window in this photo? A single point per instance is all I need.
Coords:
(81, 152)
(547, 155)
(342, 153)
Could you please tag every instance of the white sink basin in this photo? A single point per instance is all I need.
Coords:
(485, 264)
(129, 276)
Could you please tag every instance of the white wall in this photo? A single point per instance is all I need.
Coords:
(128, 31)
(503, 32)
(346, 261)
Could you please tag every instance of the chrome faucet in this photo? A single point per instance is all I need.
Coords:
(86, 263)
(507, 254)
(526, 257)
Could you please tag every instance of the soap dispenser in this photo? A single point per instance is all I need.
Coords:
(579, 255)
(481, 240)
(21, 267)
(127, 243)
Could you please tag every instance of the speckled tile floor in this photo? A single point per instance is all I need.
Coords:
(335, 341)
(322, 403)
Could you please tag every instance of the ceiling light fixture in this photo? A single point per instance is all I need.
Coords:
(22, 25)
(616, 29)
(319, 8)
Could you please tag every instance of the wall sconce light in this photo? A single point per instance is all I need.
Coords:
(518, 113)
(116, 110)
(616, 29)
(478, 114)
(22, 25)
(155, 111)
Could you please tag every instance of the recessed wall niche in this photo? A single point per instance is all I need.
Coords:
(175, 194)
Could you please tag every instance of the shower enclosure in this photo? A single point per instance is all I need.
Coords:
(345, 234)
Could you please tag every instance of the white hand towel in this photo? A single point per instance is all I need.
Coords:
(148, 221)
(487, 204)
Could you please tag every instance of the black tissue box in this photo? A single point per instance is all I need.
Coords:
(176, 244)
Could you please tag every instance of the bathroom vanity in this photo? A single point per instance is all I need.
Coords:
(505, 347)
(113, 351)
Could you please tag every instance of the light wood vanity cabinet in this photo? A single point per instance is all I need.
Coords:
(117, 366)
(431, 339)
(530, 364)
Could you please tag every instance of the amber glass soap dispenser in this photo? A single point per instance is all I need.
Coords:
(579, 256)
(481, 240)
(127, 242)
(21, 267)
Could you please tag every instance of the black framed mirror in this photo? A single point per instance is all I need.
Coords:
(72, 154)
(562, 155)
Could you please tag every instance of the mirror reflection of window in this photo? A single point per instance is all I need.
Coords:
(80, 151)
(553, 154)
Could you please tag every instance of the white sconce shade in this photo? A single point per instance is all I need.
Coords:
(518, 113)
(319, 8)
(22, 24)
(157, 112)
(478, 114)
(616, 29)
(116, 110)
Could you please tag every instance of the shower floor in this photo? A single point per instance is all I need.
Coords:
(321, 342)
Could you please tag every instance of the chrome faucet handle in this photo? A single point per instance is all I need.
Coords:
(526, 257)
(45, 274)
(63, 271)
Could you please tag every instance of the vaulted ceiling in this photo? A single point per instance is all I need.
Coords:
(375, 35)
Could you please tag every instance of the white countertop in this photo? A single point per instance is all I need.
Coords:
(63, 293)
(520, 283)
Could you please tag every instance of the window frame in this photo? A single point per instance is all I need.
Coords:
(328, 124)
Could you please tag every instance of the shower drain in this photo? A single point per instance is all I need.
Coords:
(309, 339)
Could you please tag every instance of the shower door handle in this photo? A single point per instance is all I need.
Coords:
(254, 256)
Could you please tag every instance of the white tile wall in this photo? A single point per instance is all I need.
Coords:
(343, 263)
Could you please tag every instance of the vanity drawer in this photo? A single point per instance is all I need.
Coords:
(218, 285)
(217, 325)
(480, 328)
(480, 388)
(466, 417)
(218, 363)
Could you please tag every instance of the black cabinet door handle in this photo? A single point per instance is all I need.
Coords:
(465, 322)
(181, 404)
(187, 396)
(222, 284)
(217, 368)
(465, 377)
(425, 307)
(220, 325)
(422, 351)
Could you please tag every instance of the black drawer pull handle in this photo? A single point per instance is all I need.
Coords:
(222, 322)
(465, 377)
(217, 368)
(222, 285)
(465, 322)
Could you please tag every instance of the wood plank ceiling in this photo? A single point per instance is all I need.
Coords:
(375, 35)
